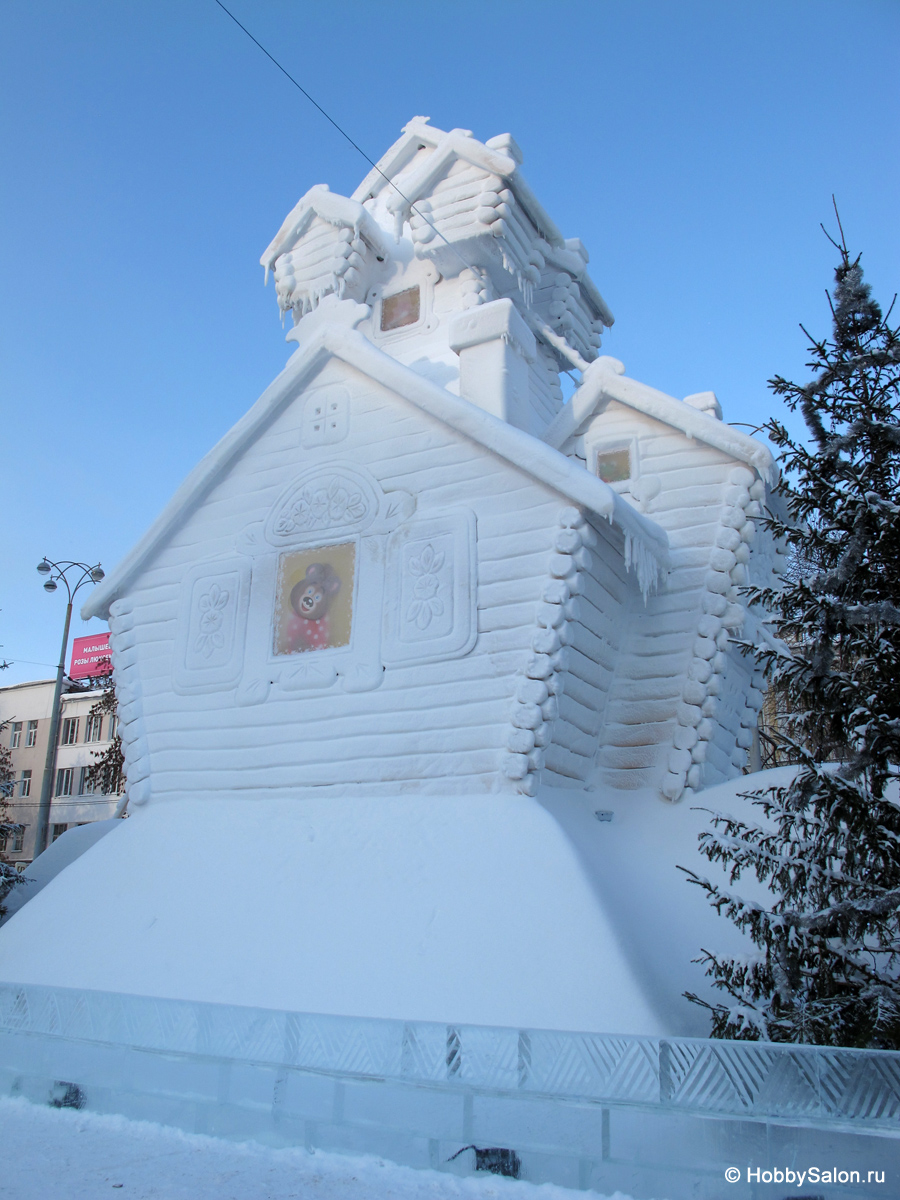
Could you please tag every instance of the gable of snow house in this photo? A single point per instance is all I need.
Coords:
(445, 544)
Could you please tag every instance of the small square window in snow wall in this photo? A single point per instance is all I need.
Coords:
(400, 309)
(614, 466)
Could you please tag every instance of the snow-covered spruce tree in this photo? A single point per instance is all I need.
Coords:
(827, 846)
(9, 876)
(106, 773)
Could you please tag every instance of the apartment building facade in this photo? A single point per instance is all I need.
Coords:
(26, 709)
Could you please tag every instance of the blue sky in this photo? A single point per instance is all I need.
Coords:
(150, 152)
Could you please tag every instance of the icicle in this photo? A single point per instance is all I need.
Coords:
(266, 276)
(646, 568)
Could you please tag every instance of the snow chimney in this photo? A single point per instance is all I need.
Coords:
(706, 402)
(495, 347)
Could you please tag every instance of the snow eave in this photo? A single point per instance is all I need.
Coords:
(569, 261)
(601, 384)
(328, 333)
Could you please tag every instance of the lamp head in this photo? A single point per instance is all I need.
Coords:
(98, 573)
(43, 567)
(50, 586)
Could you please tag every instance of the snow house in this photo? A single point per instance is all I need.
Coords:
(422, 668)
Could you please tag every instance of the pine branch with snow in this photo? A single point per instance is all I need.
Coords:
(106, 774)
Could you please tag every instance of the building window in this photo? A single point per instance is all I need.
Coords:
(400, 309)
(31, 733)
(69, 731)
(58, 831)
(64, 781)
(86, 786)
(16, 740)
(614, 466)
(93, 727)
(25, 784)
(18, 840)
(113, 726)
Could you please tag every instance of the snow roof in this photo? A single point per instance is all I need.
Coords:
(604, 381)
(329, 333)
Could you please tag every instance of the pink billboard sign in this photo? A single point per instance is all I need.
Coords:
(90, 656)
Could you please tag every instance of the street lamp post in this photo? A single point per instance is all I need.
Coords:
(58, 573)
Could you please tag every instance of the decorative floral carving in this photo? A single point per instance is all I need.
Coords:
(212, 617)
(323, 506)
(427, 603)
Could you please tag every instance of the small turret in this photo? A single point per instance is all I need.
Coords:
(445, 224)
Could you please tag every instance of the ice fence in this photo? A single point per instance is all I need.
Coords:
(650, 1116)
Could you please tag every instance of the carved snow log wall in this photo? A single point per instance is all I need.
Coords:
(683, 703)
(561, 695)
(437, 716)
(126, 673)
(330, 260)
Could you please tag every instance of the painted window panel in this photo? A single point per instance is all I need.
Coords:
(614, 466)
(314, 599)
(401, 309)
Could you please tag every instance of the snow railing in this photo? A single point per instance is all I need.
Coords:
(808, 1084)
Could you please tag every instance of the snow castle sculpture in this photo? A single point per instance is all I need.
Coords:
(414, 665)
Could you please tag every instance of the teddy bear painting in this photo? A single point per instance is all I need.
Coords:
(314, 596)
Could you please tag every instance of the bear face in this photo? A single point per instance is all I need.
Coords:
(312, 596)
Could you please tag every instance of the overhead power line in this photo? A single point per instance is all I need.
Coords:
(301, 88)
(341, 131)
(543, 332)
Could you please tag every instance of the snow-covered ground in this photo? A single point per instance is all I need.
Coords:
(69, 1155)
